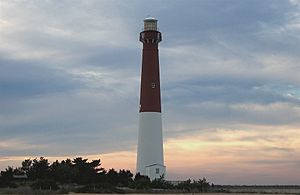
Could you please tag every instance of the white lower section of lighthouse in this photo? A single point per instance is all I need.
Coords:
(150, 160)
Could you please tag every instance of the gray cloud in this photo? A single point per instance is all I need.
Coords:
(27, 78)
(69, 79)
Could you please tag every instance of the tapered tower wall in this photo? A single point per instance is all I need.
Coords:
(150, 160)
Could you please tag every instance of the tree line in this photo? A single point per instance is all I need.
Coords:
(90, 176)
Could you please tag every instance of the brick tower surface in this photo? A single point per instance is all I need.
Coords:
(150, 159)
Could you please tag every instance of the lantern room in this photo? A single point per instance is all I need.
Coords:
(150, 24)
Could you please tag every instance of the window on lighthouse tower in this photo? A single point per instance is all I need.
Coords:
(153, 85)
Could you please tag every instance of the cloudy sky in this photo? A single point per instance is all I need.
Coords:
(70, 72)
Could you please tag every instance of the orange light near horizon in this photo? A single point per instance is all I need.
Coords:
(263, 152)
(237, 152)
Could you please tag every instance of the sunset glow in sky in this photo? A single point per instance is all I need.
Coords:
(70, 73)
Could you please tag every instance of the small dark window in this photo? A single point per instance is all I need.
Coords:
(157, 170)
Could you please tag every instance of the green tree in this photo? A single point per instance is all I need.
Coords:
(85, 172)
(39, 169)
(62, 171)
(141, 181)
(6, 179)
(125, 178)
(26, 166)
(112, 177)
(161, 183)
(203, 185)
(7, 175)
(185, 185)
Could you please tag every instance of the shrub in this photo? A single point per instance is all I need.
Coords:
(44, 185)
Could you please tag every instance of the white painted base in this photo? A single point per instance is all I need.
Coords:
(155, 171)
(150, 160)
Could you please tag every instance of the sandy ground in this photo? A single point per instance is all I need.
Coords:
(192, 194)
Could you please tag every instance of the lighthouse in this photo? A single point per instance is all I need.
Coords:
(150, 158)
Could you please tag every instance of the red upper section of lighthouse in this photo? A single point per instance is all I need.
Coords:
(150, 100)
